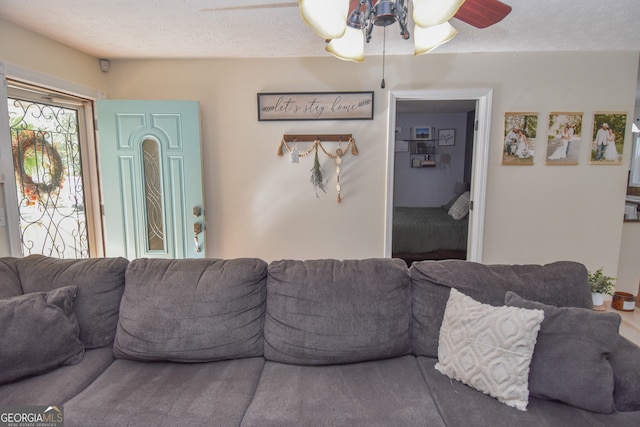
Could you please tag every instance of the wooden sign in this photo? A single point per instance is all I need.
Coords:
(315, 106)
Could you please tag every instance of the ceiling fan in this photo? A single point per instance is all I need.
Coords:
(351, 21)
(479, 13)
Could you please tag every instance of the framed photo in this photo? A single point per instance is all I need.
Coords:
(419, 133)
(607, 138)
(446, 137)
(519, 138)
(315, 106)
(563, 139)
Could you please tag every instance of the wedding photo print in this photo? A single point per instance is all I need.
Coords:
(563, 139)
(607, 138)
(519, 138)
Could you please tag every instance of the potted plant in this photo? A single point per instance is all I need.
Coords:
(601, 285)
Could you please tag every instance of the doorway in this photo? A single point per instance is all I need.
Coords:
(479, 156)
(49, 143)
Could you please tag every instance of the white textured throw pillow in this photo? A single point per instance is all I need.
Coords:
(489, 348)
(460, 207)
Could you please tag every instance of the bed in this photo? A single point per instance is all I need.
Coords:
(428, 233)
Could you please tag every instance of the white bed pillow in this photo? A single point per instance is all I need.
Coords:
(460, 207)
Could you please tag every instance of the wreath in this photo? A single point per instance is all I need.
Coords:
(32, 149)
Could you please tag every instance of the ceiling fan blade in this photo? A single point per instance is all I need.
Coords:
(482, 13)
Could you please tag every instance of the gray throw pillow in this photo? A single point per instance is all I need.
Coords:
(192, 310)
(570, 358)
(39, 333)
(9, 280)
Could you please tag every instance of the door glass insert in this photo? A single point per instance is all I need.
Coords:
(46, 158)
(153, 195)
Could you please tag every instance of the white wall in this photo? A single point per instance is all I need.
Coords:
(628, 276)
(260, 205)
(430, 186)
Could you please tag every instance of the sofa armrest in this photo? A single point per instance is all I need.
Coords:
(625, 360)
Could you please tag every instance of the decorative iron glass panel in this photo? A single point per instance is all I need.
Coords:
(46, 158)
(153, 195)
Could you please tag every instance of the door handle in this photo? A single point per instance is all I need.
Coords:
(197, 229)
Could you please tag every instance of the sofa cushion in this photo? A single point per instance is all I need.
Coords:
(388, 392)
(562, 283)
(131, 393)
(39, 333)
(625, 361)
(100, 283)
(57, 386)
(461, 405)
(570, 359)
(489, 348)
(193, 310)
(330, 311)
(9, 280)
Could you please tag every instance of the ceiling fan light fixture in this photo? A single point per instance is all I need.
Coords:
(427, 13)
(349, 47)
(384, 13)
(427, 39)
(352, 20)
(328, 18)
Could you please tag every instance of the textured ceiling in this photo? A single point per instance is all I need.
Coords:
(258, 28)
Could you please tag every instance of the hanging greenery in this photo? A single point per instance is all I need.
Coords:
(316, 174)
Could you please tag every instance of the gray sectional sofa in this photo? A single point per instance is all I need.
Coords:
(371, 342)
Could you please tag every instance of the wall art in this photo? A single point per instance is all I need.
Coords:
(564, 136)
(519, 141)
(315, 106)
(607, 138)
(446, 137)
(422, 133)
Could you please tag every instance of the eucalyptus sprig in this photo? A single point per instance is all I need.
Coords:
(316, 174)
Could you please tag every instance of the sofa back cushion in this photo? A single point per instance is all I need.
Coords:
(100, 283)
(562, 283)
(328, 311)
(192, 310)
(9, 281)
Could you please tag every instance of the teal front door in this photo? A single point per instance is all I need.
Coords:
(151, 176)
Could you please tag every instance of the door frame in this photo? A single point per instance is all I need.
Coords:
(483, 98)
(88, 153)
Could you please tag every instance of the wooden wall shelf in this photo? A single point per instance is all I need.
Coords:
(317, 137)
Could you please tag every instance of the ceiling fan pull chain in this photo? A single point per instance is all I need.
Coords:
(339, 154)
(384, 49)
